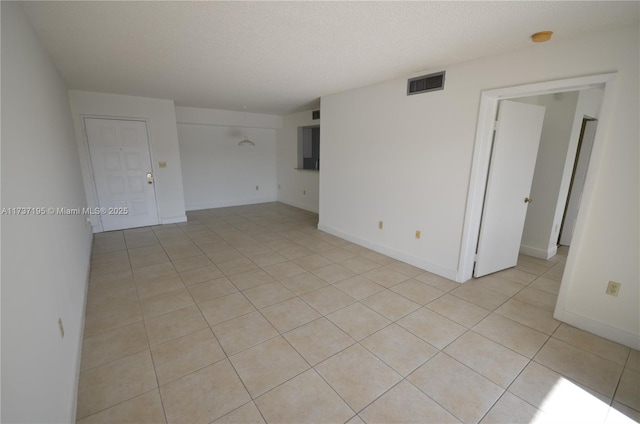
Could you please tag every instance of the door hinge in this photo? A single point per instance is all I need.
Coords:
(475, 258)
(495, 125)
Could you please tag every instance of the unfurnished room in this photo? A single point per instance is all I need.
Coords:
(320, 212)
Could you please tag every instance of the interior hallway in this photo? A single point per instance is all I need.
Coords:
(250, 314)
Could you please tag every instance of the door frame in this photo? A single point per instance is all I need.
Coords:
(96, 220)
(482, 153)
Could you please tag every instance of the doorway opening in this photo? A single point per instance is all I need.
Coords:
(576, 186)
(482, 156)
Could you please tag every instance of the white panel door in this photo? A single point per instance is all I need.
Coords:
(122, 173)
(513, 160)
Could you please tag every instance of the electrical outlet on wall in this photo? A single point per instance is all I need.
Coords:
(613, 288)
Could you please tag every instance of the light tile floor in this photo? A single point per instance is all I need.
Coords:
(250, 314)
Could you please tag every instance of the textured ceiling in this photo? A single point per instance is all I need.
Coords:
(280, 57)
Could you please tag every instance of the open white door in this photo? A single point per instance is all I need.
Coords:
(513, 160)
(122, 173)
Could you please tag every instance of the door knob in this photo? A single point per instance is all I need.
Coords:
(528, 200)
(149, 175)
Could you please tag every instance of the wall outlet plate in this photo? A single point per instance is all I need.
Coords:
(613, 288)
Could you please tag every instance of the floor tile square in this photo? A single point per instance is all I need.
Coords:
(539, 298)
(151, 271)
(590, 342)
(417, 291)
(358, 264)
(628, 392)
(405, 268)
(166, 302)
(200, 274)
(290, 314)
(311, 262)
(204, 395)
(306, 398)
(225, 308)
(269, 258)
(512, 409)
(267, 294)
(208, 290)
(406, 404)
(303, 283)
(529, 315)
(437, 281)
(390, 304)
(358, 376)
(546, 284)
(358, 321)
(249, 279)
(174, 324)
(246, 414)
(358, 287)
(243, 332)
(283, 269)
(584, 367)
(109, 384)
(113, 344)
(520, 338)
(236, 266)
(432, 328)
(333, 273)
(463, 392)
(499, 284)
(318, 340)
(458, 310)
(267, 365)
(186, 354)
(559, 398)
(385, 276)
(479, 296)
(146, 408)
(488, 358)
(401, 350)
(327, 299)
(158, 285)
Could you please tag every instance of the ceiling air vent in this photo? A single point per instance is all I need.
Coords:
(315, 115)
(431, 82)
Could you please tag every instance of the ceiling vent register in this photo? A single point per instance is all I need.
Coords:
(425, 83)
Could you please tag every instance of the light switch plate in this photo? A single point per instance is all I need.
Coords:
(162, 164)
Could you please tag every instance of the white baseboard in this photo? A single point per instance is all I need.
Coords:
(229, 203)
(598, 328)
(393, 253)
(310, 208)
(539, 253)
(173, 219)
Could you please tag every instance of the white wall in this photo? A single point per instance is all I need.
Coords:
(547, 177)
(163, 142)
(45, 259)
(299, 188)
(406, 160)
(216, 171)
